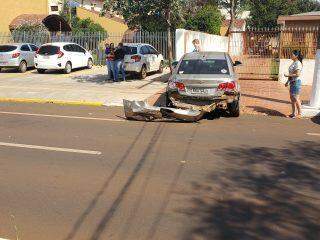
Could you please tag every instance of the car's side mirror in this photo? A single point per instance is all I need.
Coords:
(174, 64)
(237, 63)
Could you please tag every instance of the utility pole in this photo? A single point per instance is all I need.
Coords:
(313, 109)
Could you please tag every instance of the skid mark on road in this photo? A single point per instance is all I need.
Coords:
(63, 116)
(55, 149)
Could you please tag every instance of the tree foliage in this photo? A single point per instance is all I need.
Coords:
(265, 13)
(151, 15)
(207, 19)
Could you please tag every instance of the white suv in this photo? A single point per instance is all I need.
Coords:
(142, 59)
(62, 56)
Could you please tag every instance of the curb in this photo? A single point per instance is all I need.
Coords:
(43, 101)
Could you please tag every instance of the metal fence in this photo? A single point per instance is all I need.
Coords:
(94, 42)
(260, 50)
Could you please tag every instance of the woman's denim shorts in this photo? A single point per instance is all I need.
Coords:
(295, 87)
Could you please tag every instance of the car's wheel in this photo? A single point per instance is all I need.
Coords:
(168, 101)
(234, 109)
(41, 71)
(67, 68)
(161, 67)
(0, 69)
(90, 63)
(143, 73)
(22, 67)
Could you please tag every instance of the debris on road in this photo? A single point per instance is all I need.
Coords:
(142, 111)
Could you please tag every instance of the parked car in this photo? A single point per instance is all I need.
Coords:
(205, 81)
(62, 56)
(17, 55)
(142, 59)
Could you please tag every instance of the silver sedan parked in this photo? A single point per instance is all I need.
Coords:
(17, 55)
(205, 81)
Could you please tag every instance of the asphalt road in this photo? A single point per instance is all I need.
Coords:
(85, 173)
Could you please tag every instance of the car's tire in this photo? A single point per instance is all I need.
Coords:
(68, 68)
(0, 69)
(23, 67)
(143, 72)
(41, 71)
(161, 67)
(234, 108)
(168, 101)
(90, 63)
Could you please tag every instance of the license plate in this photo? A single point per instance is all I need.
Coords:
(202, 91)
(46, 57)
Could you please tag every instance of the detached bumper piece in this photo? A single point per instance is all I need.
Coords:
(141, 111)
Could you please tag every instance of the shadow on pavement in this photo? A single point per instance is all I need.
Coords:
(265, 98)
(259, 193)
(162, 78)
(316, 120)
(267, 111)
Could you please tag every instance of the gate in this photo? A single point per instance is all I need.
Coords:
(258, 50)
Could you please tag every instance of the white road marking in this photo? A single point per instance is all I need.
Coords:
(70, 150)
(3, 239)
(314, 134)
(63, 116)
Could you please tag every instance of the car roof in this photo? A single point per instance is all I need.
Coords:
(136, 44)
(200, 55)
(16, 44)
(59, 44)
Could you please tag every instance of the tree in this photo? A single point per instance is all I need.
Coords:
(207, 19)
(160, 14)
(266, 13)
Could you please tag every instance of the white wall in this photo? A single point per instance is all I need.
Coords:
(208, 42)
(307, 71)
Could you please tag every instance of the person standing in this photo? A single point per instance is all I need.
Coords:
(196, 44)
(295, 83)
(119, 62)
(110, 60)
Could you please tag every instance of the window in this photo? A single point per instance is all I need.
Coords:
(34, 48)
(54, 8)
(7, 48)
(25, 48)
(144, 50)
(49, 50)
(152, 50)
(204, 66)
(68, 48)
(130, 50)
(77, 48)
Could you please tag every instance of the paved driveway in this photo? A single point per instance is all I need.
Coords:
(79, 86)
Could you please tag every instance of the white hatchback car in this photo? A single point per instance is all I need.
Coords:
(62, 56)
(142, 59)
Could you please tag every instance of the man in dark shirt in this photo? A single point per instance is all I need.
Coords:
(119, 62)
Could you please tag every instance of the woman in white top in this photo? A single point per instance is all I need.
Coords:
(295, 83)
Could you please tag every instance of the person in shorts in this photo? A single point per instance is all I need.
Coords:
(295, 83)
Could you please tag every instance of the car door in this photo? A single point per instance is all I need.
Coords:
(146, 57)
(83, 56)
(76, 56)
(33, 52)
(154, 59)
(26, 54)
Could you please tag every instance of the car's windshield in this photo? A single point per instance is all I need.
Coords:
(204, 66)
(130, 50)
(49, 50)
(7, 48)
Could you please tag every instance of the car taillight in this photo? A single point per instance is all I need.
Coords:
(180, 86)
(228, 86)
(60, 54)
(15, 55)
(136, 58)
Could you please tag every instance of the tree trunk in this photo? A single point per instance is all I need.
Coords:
(232, 15)
(169, 38)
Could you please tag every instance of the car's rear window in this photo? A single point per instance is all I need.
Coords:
(7, 48)
(130, 50)
(49, 50)
(204, 66)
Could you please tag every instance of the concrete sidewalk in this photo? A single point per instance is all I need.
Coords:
(82, 86)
